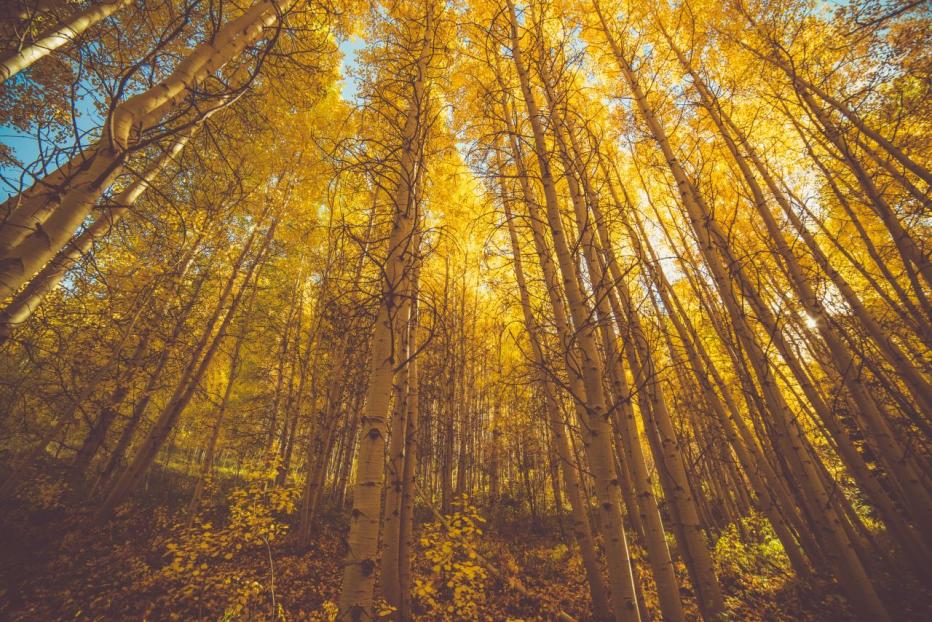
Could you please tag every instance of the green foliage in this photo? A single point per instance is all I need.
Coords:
(455, 586)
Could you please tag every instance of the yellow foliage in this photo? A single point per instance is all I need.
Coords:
(196, 552)
(455, 586)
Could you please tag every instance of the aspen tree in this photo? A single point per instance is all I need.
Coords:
(842, 357)
(208, 464)
(70, 415)
(582, 530)
(321, 441)
(204, 352)
(602, 462)
(97, 434)
(43, 218)
(411, 457)
(642, 367)
(60, 35)
(557, 304)
(658, 552)
(755, 467)
(849, 567)
(117, 455)
(756, 406)
(356, 592)
(394, 480)
(29, 298)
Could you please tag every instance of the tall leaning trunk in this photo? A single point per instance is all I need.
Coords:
(729, 418)
(777, 57)
(98, 433)
(394, 480)
(27, 301)
(564, 330)
(67, 31)
(609, 286)
(25, 247)
(874, 422)
(844, 362)
(154, 373)
(39, 221)
(211, 449)
(411, 455)
(74, 409)
(204, 352)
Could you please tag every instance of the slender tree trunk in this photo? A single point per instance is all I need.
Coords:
(211, 449)
(25, 302)
(394, 480)
(411, 457)
(356, 592)
(712, 241)
(42, 219)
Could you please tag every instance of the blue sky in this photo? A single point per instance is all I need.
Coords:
(25, 145)
(350, 48)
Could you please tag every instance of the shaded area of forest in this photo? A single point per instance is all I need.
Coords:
(142, 565)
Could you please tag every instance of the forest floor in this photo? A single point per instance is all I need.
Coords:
(56, 564)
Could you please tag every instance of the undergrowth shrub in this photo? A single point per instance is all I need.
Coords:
(454, 587)
(750, 564)
(201, 568)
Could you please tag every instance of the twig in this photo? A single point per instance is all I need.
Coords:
(271, 577)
